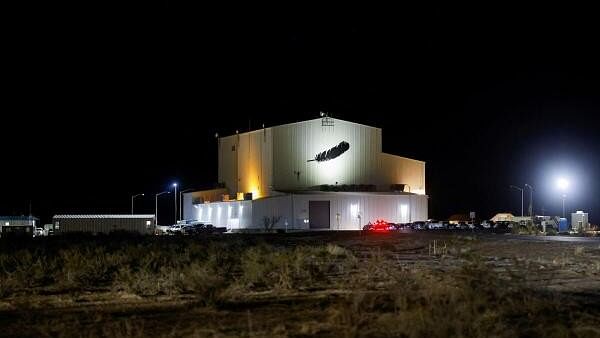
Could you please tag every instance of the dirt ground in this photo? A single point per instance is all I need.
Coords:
(352, 302)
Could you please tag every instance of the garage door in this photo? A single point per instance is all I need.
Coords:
(318, 214)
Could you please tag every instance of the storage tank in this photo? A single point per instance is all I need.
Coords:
(563, 226)
(579, 221)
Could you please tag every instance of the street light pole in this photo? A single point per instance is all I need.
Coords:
(175, 200)
(132, 197)
(156, 205)
(530, 200)
(515, 187)
(563, 184)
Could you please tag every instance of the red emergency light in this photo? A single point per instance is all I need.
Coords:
(380, 226)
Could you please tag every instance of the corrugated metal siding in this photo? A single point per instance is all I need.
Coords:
(255, 162)
(396, 169)
(370, 207)
(103, 225)
(293, 210)
(232, 215)
(250, 167)
(295, 144)
(228, 152)
(280, 206)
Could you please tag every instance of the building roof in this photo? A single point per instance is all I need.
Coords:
(105, 216)
(18, 218)
(300, 122)
(502, 216)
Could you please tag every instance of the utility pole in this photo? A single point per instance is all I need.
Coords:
(530, 201)
(517, 188)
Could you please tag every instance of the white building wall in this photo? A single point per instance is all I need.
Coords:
(345, 209)
(277, 206)
(228, 162)
(369, 207)
(232, 215)
(293, 210)
(294, 144)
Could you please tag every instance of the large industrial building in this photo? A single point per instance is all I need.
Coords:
(316, 174)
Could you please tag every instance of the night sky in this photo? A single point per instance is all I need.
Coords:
(97, 108)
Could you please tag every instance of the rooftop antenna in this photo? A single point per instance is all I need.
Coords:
(326, 121)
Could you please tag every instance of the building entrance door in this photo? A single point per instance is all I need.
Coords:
(318, 214)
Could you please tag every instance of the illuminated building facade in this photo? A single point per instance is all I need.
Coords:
(315, 174)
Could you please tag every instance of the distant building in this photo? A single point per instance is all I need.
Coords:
(18, 225)
(316, 174)
(579, 221)
(103, 224)
(503, 217)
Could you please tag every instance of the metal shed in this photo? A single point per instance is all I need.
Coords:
(96, 224)
(17, 225)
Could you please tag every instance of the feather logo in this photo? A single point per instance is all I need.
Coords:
(332, 153)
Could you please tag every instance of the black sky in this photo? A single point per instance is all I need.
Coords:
(101, 106)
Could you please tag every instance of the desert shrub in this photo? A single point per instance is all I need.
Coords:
(8, 284)
(168, 280)
(473, 301)
(87, 267)
(266, 267)
(201, 281)
(23, 271)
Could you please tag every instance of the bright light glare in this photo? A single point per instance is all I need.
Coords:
(354, 210)
(562, 183)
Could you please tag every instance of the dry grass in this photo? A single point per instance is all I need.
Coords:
(247, 286)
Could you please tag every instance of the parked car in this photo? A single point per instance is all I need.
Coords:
(418, 225)
(401, 226)
(487, 224)
(38, 232)
(175, 229)
(189, 229)
(378, 226)
(433, 224)
(503, 226)
(461, 225)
